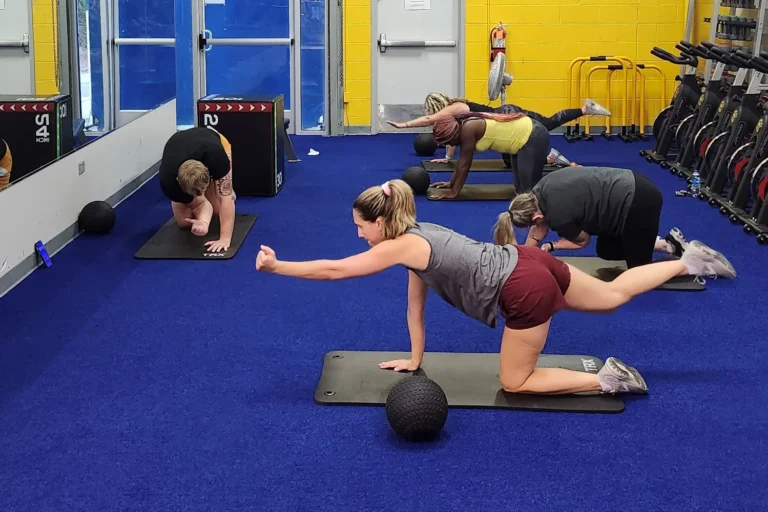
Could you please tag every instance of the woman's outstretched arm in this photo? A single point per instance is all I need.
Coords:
(380, 257)
(450, 110)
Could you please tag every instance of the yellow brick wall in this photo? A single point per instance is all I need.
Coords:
(357, 62)
(542, 39)
(44, 23)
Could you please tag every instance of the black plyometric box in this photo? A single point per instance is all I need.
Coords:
(37, 129)
(254, 126)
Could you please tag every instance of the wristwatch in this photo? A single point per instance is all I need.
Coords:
(551, 246)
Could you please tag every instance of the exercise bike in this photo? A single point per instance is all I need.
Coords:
(756, 220)
(713, 134)
(732, 148)
(683, 103)
(689, 132)
(745, 164)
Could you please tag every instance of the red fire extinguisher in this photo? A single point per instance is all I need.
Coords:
(498, 40)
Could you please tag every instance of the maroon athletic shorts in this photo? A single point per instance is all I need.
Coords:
(535, 290)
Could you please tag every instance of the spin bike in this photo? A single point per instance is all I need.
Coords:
(732, 146)
(683, 103)
(713, 134)
(689, 132)
(748, 164)
(756, 219)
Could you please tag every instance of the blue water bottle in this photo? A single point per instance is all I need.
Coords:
(695, 184)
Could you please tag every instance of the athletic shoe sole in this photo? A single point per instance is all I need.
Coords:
(627, 372)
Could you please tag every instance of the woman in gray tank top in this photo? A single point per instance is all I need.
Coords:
(527, 284)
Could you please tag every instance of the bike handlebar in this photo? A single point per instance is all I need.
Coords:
(684, 60)
(688, 49)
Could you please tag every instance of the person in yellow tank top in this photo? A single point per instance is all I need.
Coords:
(518, 135)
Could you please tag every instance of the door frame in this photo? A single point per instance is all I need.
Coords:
(199, 85)
(375, 52)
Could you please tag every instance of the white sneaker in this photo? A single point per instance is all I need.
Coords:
(557, 158)
(703, 261)
(592, 108)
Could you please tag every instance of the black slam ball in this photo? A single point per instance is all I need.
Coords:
(417, 408)
(418, 178)
(424, 144)
(97, 217)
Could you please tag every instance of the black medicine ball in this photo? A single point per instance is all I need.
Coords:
(97, 217)
(418, 178)
(424, 144)
(417, 408)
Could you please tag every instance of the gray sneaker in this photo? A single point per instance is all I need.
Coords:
(592, 108)
(617, 377)
(703, 261)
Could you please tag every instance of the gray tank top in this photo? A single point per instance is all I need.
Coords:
(467, 274)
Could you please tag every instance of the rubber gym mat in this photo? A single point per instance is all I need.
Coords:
(469, 381)
(485, 165)
(610, 270)
(478, 192)
(174, 243)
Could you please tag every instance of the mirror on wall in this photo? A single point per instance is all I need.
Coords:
(75, 70)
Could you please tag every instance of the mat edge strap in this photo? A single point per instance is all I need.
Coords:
(591, 403)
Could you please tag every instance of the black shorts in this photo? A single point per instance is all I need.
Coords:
(636, 243)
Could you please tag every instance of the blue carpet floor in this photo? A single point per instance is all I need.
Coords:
(188, 385)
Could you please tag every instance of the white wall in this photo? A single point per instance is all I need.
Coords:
(47, 202)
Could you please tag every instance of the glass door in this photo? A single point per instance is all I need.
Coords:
(143, 68)
(246, 48)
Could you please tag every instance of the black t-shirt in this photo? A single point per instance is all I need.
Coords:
(478, 107)
(201, 144)
(595, 200)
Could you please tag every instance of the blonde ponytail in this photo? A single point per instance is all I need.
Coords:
(503, 233)
(393, 201)
(520, 213)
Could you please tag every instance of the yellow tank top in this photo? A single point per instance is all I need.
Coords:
(507, 137)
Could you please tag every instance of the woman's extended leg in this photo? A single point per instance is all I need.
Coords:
(587, 293)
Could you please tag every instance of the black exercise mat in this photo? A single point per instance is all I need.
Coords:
(610, 270)
(480, 192)
(484, 165)
(173, 243)
(469, 381)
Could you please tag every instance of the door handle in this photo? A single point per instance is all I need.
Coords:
(24, 43)
(385, 43)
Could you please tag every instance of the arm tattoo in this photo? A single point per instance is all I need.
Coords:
(224, 185)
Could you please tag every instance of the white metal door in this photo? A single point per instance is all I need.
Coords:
(16, 55)
(418, 51)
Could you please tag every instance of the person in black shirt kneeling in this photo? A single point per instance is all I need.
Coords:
(196, 175)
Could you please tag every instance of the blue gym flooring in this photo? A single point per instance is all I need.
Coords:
(188, 385)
